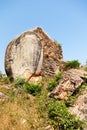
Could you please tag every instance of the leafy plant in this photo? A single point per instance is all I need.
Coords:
(61, 118)
(28, 87)
(70, 101)
(72, 64)
(58, 76)
(33, 89)
(51, 85)
(19, 82)
(54, 82)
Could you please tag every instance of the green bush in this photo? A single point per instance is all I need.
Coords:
(72, 64)
(54, 82)
(28, 87)
(58, 76)
(61, 118)
(51, 85)
(19, 82)
(33, 89)
(71, 100)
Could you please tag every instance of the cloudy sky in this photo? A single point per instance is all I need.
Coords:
(63, 20)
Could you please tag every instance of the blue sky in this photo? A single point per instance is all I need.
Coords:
(63, 20)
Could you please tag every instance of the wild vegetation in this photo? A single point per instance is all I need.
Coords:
(54, 82)
(72, 64)
(29, 107)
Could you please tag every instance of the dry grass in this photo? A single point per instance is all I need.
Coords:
(22, 111)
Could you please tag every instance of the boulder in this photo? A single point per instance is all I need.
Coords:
(32, 54)
(70, 81)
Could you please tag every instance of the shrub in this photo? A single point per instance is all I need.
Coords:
(30, 88)
(61, 118)
(54, 82)
(58, 76)
(51, 85)
(19, 82)
(70, 101)
(33, 89)
(72, 64)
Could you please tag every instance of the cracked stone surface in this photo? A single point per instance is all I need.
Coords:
(79, 108)
(70, 81)
(32, 54)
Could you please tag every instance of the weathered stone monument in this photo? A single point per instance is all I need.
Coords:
(32, 54)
